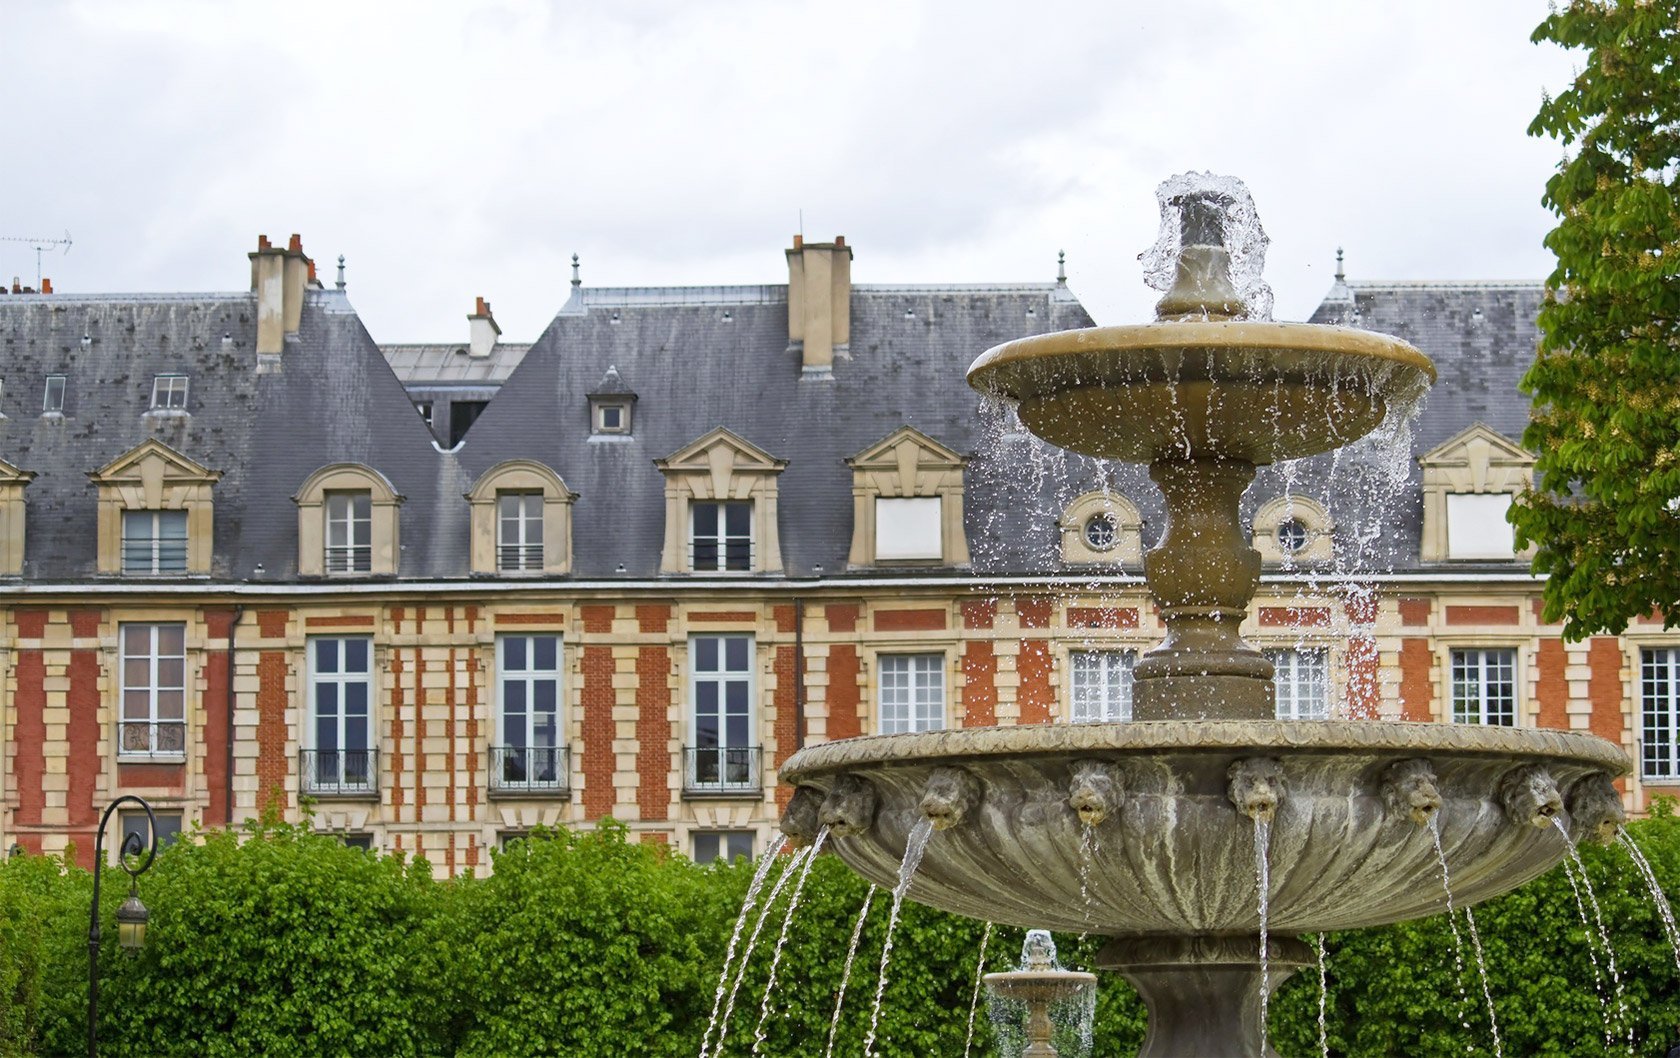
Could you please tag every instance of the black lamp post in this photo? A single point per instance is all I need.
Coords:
(132, 915)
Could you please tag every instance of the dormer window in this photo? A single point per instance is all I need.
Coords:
(907, 503)
(1294, 531)
(349, 532)
(154, 542)
(1468, 485)
(610, 406)
(721, 536)
(169, 393)
(521, 520)
(53, 402)
(1102, 528)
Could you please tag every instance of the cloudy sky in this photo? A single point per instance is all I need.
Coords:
(469, 148)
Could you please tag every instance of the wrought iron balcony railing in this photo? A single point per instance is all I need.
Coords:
(731, 770)
(538, 770)
(339, 772)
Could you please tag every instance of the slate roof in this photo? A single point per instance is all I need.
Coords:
(697, 358)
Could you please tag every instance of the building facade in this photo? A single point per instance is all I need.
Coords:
(431, 597)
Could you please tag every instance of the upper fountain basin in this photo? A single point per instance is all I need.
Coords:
(1170, 849)
(1237, 390)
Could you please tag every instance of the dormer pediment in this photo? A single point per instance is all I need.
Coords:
(1478, 459)
(11, 475)
(154, 463)
(721, 448)
(907, 449)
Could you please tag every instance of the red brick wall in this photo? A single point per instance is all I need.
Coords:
(653, 732)
(1102, 617)
(598, 729)
(1417, 679)
(85, 759)
(787, 718)
(1294, 617)
(842, 617)
(979, 668)
(1483, 615)
(1036, 697)
(1414, 612)
(1364, 687)
(274, 767)
(1552, 684)
(218, 623)
(597, 618)
(909, 620)
(979, 613)
(654, 619)
(1604, 662)
(29, 751)
(844, 720)
(1034, 611)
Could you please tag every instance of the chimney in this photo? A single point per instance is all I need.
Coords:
(278, 277)
(482, 331)
(819, 302)
(46, 286)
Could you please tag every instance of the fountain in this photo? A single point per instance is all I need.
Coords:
(1036, 994)
(1203, 783)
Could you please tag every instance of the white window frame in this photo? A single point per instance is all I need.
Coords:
(339, 509)
(1302, 682)
(145, 553)
(369, 781)
(728, 753)
(725, 838)
(522, 550)
(530, 676)
(169, 392)
(1659, 713)
(602, 407)
(153, 723)
(49, 404)
(910, 692)
(723, 540)
(1100, 685)
(1474, 705)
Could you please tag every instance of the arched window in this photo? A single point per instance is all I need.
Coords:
(521, 520)
(1294, 530)
(1102, 527)
(347, 523)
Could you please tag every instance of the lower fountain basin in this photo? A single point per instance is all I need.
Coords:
(1174, 855)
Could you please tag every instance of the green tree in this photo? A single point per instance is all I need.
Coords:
(1606, 383)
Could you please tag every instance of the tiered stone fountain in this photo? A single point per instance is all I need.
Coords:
(1179, 797)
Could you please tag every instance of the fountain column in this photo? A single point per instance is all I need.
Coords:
(1203, 993)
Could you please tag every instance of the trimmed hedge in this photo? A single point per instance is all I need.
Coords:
(281, 941)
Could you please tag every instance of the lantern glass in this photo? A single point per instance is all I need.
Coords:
(131, 923)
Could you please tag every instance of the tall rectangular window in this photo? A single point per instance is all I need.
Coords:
(154, 541)
(169, 393)
(1101, 685)
(532, 750)
(1659, 713)
(154, 690)
(339, 752)
(1302, 680)
(349, 532)
(519, 531)
(724, 754)
(912, 692)
(720, 535)
(53, 402)
(1484, 687)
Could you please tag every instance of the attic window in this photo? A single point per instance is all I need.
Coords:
(53, 404)
(612, 416)
(169, 393)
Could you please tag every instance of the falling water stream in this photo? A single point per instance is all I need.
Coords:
(771, 856)
(974, 1000)
(1657, 897)
(913, 849)
(1603, 933)
(794, 868)
(846, 974)
(781, 941)
(1592, 954)
(1452, 924)
(1263, 873)
(1323, 1001)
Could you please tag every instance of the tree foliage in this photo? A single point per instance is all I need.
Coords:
(1604, 513)
(280, 941)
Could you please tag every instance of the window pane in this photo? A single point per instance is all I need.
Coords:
(326, 655)
(706, 847)
(736, 654)
(547, 653)
(170, 705)
(355, 655)
(547, 698)
(513, 697)
(738, 519)
(705, 519)
(513, 653)
(706, 654)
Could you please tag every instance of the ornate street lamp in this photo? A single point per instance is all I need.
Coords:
(132, 915)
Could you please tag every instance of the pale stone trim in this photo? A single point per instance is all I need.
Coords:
(154, 477)
(907, 463)
(311, 499)
(1128, 525)
(12, 483)
(1477, 460)
(719, 466)
(522, 475)
(1310, 513)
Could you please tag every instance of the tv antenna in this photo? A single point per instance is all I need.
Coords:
(40, 244)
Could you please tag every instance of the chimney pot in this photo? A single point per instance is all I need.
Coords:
(263, 243)
(46, 286)
(798, 242)
(839, 240)
(482, 331)
(296, 245)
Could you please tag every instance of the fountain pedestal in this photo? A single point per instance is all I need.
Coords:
(1203, 993)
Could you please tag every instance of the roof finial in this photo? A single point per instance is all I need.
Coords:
(1061, 266)
(341, 271)
(577, 279)
(1339, 276)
